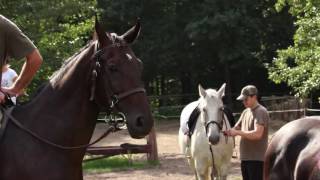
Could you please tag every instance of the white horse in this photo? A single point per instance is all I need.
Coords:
(208, 151)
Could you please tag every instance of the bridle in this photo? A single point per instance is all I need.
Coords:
(220, 127)
(218, 123)
(114, 100)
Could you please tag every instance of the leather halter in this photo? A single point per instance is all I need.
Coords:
(114, 98)
(220, 125)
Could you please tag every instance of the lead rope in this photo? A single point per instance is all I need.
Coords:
(7, 112)
(214, 170)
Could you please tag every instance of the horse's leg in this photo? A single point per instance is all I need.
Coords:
(202, 169)
(212, 175)
(192, 166)
(223, 171)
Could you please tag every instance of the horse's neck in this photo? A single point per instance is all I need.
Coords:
(200, 126)
(62, 111)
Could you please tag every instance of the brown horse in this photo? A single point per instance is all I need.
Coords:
(294, 151)
(104, 72)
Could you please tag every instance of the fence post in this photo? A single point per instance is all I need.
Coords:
(152, 142)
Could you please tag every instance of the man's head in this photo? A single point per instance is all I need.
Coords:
(248, 96)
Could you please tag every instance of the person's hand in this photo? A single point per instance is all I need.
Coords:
(12, 91)
(230, 132)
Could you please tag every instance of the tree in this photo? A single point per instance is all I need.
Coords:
(299, 64)
(58, 28)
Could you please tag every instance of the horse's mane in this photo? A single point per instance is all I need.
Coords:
(58, 74)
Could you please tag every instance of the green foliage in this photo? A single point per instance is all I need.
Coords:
(299, 64)
(182, 43)
(187, 42)
(58, 27)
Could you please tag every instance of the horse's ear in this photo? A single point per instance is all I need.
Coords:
(101, 34)
(202, 92)
(221, 91)
(132, 34)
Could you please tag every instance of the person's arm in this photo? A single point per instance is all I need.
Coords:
(237, 126)
(260, 122)
(19, 46)
(29, 69)
(255, 134)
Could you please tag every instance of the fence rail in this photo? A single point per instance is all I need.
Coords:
(280, 107)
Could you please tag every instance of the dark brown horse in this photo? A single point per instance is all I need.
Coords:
(294, 151)
(65, 111)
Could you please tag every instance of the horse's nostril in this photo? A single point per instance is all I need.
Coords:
(139, 121)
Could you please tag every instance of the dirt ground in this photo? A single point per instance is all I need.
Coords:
(173, 165)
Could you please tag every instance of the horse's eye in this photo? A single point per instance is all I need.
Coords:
(113, 68)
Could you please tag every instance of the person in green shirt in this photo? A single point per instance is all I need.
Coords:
(15, 44)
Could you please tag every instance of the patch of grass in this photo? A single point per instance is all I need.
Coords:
(115, 163)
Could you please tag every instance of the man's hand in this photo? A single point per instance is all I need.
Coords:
(255, 134)
(231, 132)
(12, 91)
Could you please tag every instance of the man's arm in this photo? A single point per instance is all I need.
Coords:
(29, 69)
(237, 126)
(260, 125)
(255, 134)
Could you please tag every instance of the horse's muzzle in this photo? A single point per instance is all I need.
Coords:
(213, 140)
(140, 126)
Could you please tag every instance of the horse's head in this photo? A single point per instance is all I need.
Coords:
(119, 83)
(211, 107)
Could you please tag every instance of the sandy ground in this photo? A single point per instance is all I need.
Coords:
(173, 165)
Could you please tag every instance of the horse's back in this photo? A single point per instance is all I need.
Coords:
(185, 114)
(291, 152)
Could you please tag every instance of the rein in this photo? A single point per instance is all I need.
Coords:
(220, 127)
(7, 112)
(115, 99)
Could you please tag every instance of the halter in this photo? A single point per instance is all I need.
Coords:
(114, 98)
(220, 125)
